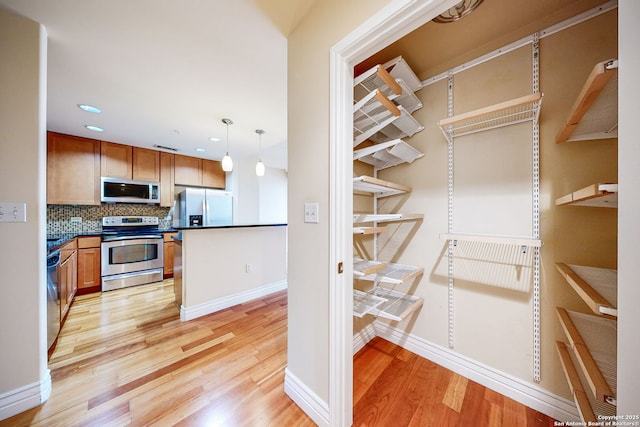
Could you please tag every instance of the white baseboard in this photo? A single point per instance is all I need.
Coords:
(24, 398)
(190, 313)
(517, 389)
(316, 408)
(361, 338)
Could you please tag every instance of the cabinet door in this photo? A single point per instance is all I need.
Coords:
(212, 174)
(116, 160)
(167, 180)
(73, 170)
(89, 270)
(168, 259)
(188, 170)
(146, 164)
(67, 283)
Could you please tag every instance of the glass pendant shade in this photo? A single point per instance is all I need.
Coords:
(260, 168)
(227, 163)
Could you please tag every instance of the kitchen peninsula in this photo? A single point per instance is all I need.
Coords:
(217, 267)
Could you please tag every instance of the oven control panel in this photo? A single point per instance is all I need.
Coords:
(119, 221)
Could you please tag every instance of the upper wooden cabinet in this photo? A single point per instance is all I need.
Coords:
(146, 164)
(188, 170)
(199, 172)
(167, 179)
(116, 160)
(73, 170)
(213, 175)
(125, 161)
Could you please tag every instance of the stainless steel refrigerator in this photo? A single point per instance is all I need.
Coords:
(204, 207)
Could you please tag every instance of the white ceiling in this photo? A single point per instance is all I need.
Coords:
(168, 71)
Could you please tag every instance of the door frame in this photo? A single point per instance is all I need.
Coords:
(389, 24)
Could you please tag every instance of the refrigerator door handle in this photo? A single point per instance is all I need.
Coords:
(205, 211)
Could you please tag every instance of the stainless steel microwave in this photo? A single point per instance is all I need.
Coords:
(118, 190)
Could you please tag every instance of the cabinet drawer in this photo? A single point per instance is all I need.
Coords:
(89, 242)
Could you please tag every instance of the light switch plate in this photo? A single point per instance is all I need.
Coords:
(13, 212)
(311, 212)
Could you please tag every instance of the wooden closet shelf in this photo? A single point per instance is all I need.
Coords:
(588, 407)
(367, 218)
(372, 113)
(593, 340)
(369, 230)
(594, 114)
(397, 90)
(387, 154)
(399, 69)
(363, 267)
(394, 274)
(518, 110)
(598, 287)
(597, 195)
(367, 184)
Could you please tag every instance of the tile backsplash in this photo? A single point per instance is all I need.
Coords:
(59, 216)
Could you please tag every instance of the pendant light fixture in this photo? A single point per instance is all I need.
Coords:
(260, 166)
(227, 163)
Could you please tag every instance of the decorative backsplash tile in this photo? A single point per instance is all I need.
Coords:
(59, 216)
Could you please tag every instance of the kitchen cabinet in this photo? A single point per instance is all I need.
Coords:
(67, 279)
(212, 174)
(89, 278)
(125, 161)
(167, 179)
(73, 170)
(192, 171)
(168, 254)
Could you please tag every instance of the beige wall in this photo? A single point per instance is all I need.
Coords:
(308, 165)
(215, 259)
(22, 179)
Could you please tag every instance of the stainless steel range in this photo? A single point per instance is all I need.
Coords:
(132, 251)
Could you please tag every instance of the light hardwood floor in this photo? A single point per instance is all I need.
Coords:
(125, 358)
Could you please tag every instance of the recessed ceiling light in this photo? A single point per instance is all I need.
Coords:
(94, 128)
(200, 150)
(89, 108)
(215, 139)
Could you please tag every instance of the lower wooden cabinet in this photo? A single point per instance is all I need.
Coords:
(168, 254)
(67, 279)
(89, 278)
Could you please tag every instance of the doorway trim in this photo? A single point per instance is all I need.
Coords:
(389, 24)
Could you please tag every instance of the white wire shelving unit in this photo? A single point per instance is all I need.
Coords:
(384, 103)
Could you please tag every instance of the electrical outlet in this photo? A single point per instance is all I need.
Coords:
(76, 220)
(311, 212)
(13, 212)
(248, 268)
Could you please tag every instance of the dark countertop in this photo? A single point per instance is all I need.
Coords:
(203, 227)
(55, 240)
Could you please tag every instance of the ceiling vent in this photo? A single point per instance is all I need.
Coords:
(458, 11)
(162, 147)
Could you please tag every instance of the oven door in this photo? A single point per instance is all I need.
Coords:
(130, 253)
